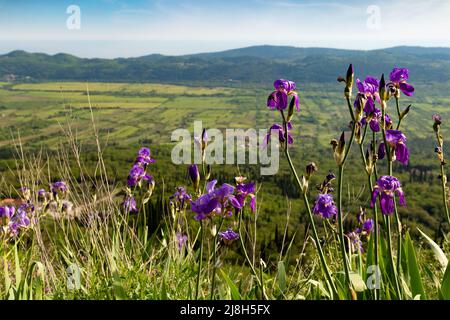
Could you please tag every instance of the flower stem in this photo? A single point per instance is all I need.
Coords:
(444, 193)
(215, 257)
(375, 213)
(339, 204)
(395, 268)
(199, 261)
(252, 267)
(341, 225)
(397, 103)
(325, 268)
(443, 175)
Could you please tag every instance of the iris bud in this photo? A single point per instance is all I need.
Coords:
(349, 81)
(194, 175)
(339, 149)
(310, 169)
(405, 112)
(291, 110)
(382, 90)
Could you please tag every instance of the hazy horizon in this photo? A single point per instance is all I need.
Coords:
(218, 51)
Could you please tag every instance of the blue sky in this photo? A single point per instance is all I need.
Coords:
(116, 28)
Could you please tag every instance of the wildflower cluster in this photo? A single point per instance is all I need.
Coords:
(13, 221)
(368, 110)
(17, 215)
(139, 181)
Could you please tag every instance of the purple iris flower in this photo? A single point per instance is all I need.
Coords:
(244, 191)
(369, 89)
(144, 157)
(41, 193)
(355, 242)
(279, 98)
(7, 212)
(204, 206)
(375, 118)
(20, 219)
(396, 140)
(386, 188)
(214, 201)
(281, 134)
(136, 174)
(129, 204)
(325, 205)
(58, 187)
(368, 226)
(181, 240)
(228, 236)
(181, 197)
(399, 78)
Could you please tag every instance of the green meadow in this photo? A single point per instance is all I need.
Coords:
(38, 119)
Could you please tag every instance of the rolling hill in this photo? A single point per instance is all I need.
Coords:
(252, 64)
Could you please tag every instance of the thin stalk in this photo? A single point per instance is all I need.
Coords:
(199, 261)
(375, 230)
(375, 213)
(341, 225)
(262, 279)
(252, 267)
(325, 268)
(397, 287)
(339, 200)
(444, 193)
(396, 214)
(397, 103)
(215, 257)
(389, 157)
(443, 175)
(374, 145)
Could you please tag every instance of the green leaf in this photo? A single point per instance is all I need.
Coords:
(413, 270)
(119, 291)
(17, 264)
(235, 295)
(439, 254)
(281, 275)
(319, 285)
(445, 286)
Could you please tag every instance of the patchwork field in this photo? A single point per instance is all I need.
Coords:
(129, 113)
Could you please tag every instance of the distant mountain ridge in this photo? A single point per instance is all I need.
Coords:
(257, 64)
